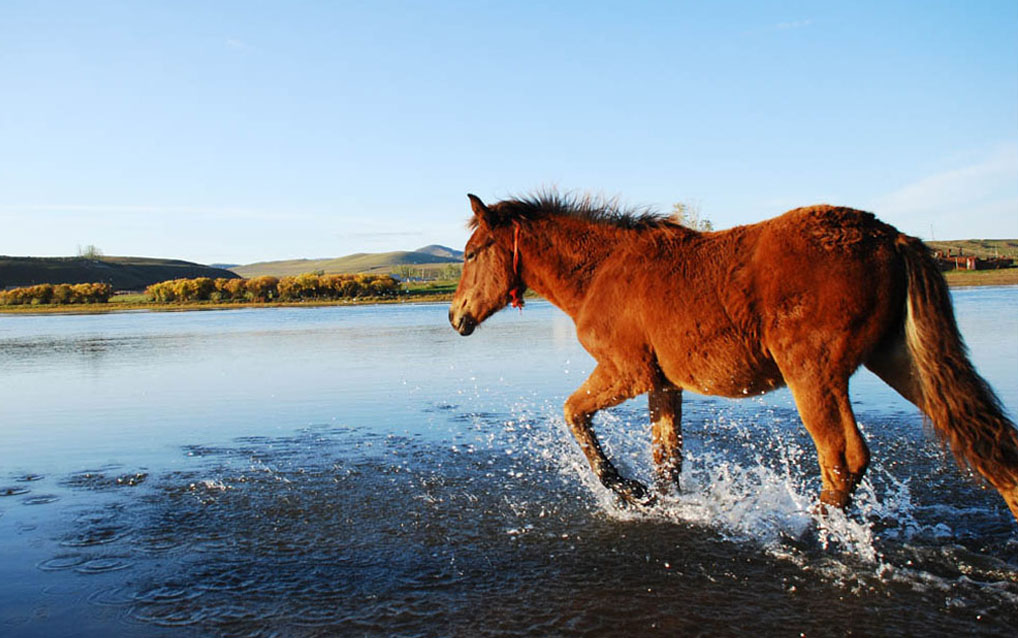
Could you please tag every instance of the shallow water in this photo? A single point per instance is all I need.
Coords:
(366, 471)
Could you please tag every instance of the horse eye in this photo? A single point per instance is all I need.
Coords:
(470, 255)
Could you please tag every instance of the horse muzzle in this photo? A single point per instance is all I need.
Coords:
(463, 324)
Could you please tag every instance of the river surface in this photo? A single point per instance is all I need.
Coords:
(365, 471)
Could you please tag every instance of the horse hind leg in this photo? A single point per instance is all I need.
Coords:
(827, 414)
(893, 364)
(666, 431)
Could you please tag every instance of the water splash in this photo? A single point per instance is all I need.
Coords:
(757, 483)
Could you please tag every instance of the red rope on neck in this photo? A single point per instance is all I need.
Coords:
(516, 292)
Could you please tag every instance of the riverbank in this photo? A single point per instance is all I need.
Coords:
(1002, 277)
(137, 303)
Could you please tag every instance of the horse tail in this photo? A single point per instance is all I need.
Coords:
(965, 412)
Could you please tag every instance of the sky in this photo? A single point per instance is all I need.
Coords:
(242, 131)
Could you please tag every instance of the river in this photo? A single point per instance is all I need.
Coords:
(365, 471)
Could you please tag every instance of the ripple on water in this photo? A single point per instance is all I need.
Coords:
(103, 565)
(229, 613)
(316, 616)
(118, 596)
(168, 617)
(62, 562)
(159, 543)
(104, 479)
(130, 480)
(242, 629)
(166, 594)
(86, 479)
(99, 535)
(41, 499)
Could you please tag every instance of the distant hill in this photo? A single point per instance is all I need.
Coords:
(441, 251)
(123, 273)
(356, 263)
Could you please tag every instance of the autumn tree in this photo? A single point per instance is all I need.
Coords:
(263, 288)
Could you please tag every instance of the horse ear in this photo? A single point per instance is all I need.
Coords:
(481, 212)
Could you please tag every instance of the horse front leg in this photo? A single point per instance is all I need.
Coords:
(603, 389)
(666, 435)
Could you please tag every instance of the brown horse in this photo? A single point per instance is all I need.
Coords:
(800, 300)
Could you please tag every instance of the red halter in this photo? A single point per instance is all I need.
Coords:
(516, 292)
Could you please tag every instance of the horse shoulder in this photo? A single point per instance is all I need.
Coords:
(608, 319)
(637, 289)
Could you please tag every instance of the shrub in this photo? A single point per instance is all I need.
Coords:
(384, 286)
(288, 289)
(41, 294)
(263, 288)
(267, 288)
(235, 288)
(91, 293)
(62, 293)
(59, 294)
(162, 292)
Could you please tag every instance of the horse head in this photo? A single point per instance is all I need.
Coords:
(490, 278)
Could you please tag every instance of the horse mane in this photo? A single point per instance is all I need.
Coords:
(596, 209)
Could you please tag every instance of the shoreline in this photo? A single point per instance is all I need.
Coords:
(955, 279)
(965, 278)
(151, 306)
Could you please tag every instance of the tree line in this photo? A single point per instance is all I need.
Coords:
(56, 294)
(307, 286)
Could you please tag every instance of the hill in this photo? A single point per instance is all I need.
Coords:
(441, 251)
(123, 273)
(984, 248)
(355, 263)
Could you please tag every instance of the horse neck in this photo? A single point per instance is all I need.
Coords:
(559, 258)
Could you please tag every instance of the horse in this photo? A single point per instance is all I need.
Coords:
(800, 300)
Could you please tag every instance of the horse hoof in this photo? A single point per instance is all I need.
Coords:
(838, 499)
(630, 492)
(829, 504)
(634, 493)
(668, 488)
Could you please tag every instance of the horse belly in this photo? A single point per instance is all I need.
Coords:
(728, 372)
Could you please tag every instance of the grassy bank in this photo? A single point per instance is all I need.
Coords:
(1002, 277)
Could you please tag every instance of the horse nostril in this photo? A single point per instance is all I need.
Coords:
(463, 324)
(461, 320)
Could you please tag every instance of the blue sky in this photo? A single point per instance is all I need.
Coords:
(222, 131)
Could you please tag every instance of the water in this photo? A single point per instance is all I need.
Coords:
(365, 471)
